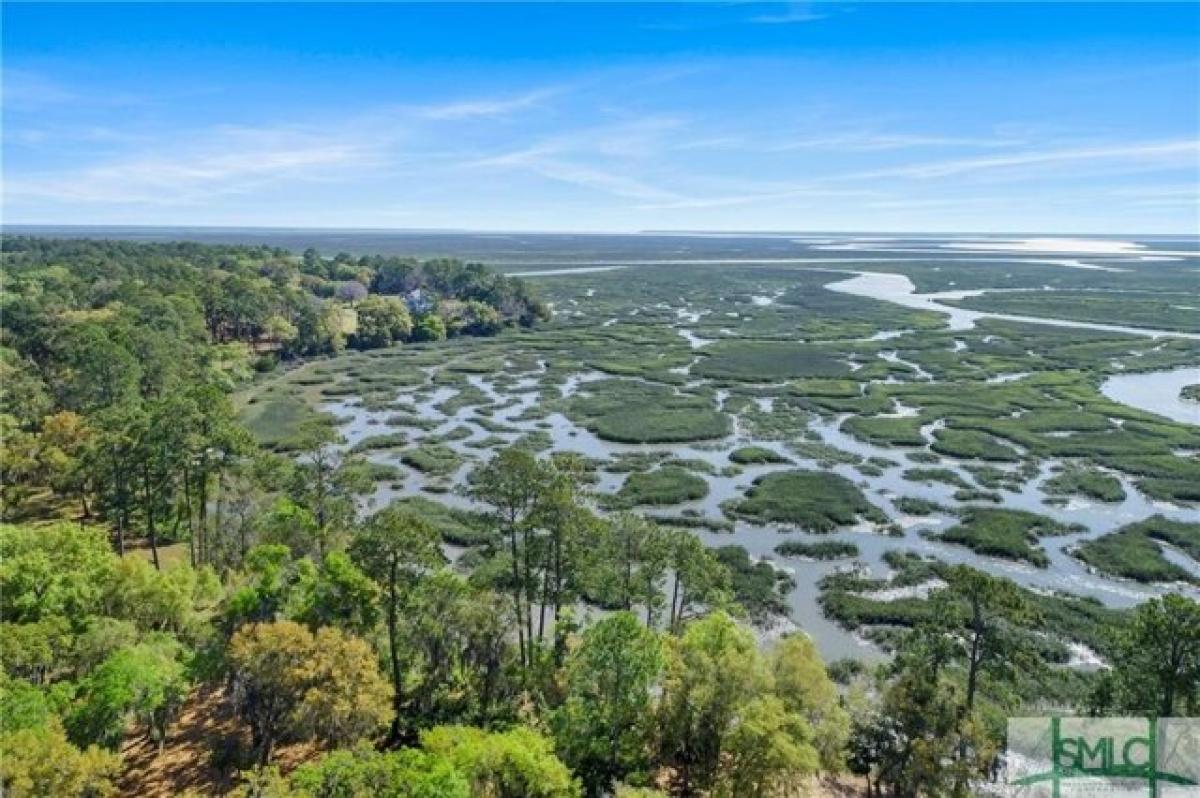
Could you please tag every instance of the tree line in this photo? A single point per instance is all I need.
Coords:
(262, 296)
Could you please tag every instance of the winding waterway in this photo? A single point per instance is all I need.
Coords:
(899, 289)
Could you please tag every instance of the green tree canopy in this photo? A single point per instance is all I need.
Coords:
(381, 322)
(518, 763)
(145, 682)
(363, 772)
(604, 725)
(1156, 662)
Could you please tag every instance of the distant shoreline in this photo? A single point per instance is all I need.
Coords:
(114, 229)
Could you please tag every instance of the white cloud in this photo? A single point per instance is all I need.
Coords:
(794, 13)
(487, 107)
(26, 90)
(643, 137)
(30, 89)
(1170, 153)
(193, 168)
(544, 161)
(221, 161)
(1130, 156)
(797, 191)
(880, 142)
(602, 158)
(591, 177)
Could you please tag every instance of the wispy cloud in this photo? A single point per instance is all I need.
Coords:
(709, 16)
(169, 168)
(488, 107)
(880, 142)
(1156, 196)
(793, 14)
(547, 162)
(797, 191)
(599, 179)
(224, 160)
(639, 137)
(608, 158)
(35, 91)
(57, 134)
(1172, 153)
(31, 89)
(1129, 156)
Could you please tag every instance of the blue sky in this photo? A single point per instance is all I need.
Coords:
(948, 117)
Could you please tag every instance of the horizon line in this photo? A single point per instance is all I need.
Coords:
(52, 226)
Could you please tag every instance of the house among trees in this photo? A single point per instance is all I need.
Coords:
(419, 302)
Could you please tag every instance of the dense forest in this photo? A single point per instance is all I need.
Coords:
(186, 612)
(264, 297)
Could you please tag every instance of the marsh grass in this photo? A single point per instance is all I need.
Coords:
(1085, 482)
(663, 486)
(769, 361)
(393, 440)
(885, 431)
(1135, 551)
(628, 411)
(943, 475)
(972, 445)
(435, 459)
(818, 550)
(815, 501)
(285, 422)
(756, 455)
(1001, 532)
